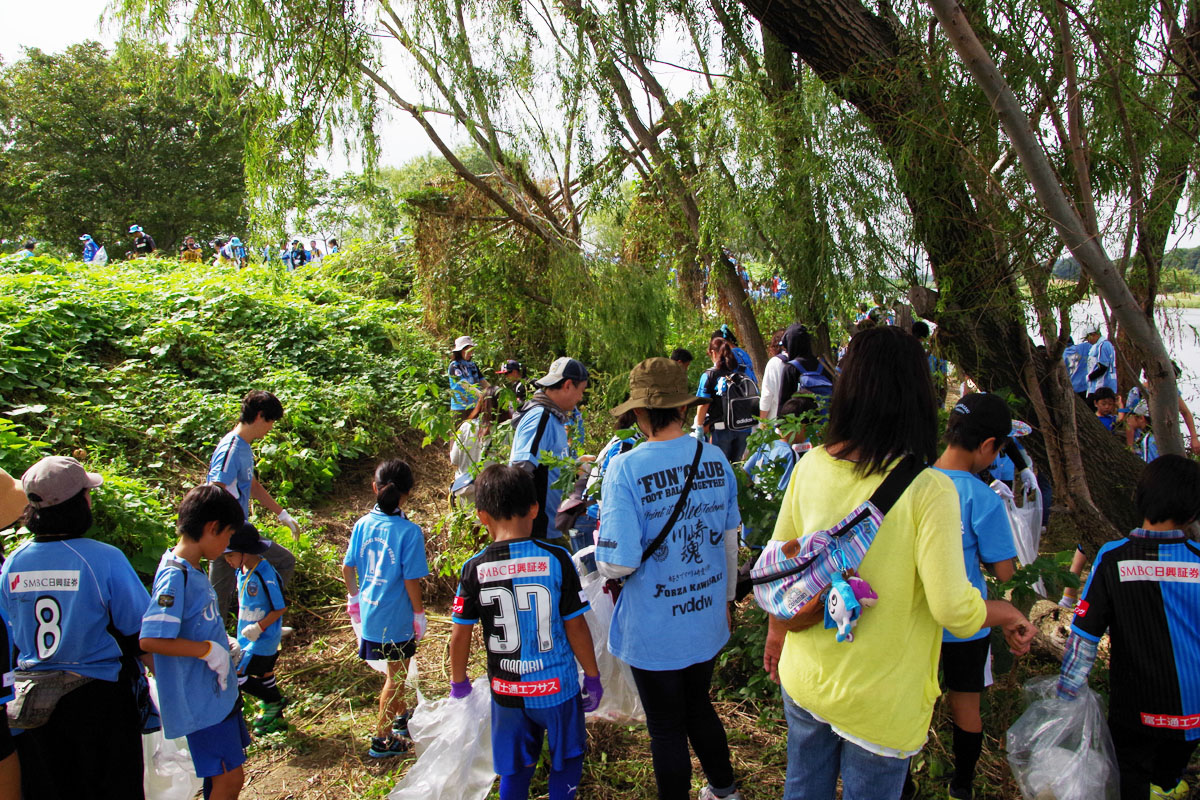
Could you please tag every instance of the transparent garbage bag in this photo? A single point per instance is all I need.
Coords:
(167, 771)
(454, 749)
(1060, 749)
(621, 702)
(1026, 522)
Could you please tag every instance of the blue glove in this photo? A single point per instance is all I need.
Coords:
(592, 692)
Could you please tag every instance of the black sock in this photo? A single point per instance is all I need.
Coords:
(967, 747)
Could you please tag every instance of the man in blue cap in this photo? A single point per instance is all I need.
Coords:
(143, 243)
(90, 248)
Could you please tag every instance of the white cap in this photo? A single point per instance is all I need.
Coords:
(462, 343)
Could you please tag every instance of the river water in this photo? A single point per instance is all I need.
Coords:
(1180, 329)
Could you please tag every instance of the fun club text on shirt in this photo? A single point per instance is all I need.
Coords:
(669, 482)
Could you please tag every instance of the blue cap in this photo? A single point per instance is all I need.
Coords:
(85, 238)
(135, 228)
(235, 241)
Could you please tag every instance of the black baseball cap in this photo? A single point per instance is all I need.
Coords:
(247, 539)
(512, 365)
(986, 415)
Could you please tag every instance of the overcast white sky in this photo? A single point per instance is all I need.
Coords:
(54, 24)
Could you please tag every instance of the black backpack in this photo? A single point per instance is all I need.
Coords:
(736, 404)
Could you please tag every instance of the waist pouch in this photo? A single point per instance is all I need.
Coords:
(37, 694)
(787, 575)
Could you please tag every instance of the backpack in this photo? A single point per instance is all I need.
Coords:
(799, 379)
(736, 403)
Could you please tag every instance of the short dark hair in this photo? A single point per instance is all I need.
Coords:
(798, 406)
(207, 503)
(920, 330)
(69, 519)
(394, 479)
(1169, 489)
(659, 418)
(682, 354)
(883, 403)
(504, 492)
(260, 402)
(1104, 393)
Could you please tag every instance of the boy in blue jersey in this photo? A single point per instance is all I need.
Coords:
(1143, 441)
(542, 427)
(1075, 357)
(232, 466)
(383, 567)
(1104, 400)
(197, 683)
(1143, 591)
(975, 434)
(1101, 367)
(260, 609)
(74, 606)
(527, 594)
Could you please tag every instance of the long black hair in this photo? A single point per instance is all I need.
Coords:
(883, 403)
(69, 519)
(394, 480)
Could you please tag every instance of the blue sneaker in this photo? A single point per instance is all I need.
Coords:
(400, 725)
(386, 748)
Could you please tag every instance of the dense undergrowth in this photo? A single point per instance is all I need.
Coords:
(138, 368)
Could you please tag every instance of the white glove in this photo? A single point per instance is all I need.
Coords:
(235, 651)
(252, 631)
(217, 659)
(1029, 483)
(698, 433)
(1002, 489)
(286, 519)
(420, 624)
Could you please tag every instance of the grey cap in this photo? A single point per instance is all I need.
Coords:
(55, 480)
(462, 343)
(564, 369)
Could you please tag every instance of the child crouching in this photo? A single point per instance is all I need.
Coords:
(527, 594)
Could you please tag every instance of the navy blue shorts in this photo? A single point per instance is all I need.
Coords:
(964, 664)
(386, 651)
(219, 748)
(517, 735)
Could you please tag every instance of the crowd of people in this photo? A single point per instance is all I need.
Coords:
(909, 528)
(221, 251)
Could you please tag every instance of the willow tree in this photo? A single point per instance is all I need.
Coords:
(971, 211)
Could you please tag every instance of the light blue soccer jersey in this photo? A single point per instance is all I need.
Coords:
(671, 613)
(1102, 352)
(183, 605)
(1076, 359)
(258, 595)
(554, 439)
(986, 534)
(465, 379)
(386, 550)
(232, 464)
(61, 596)
(523, 590)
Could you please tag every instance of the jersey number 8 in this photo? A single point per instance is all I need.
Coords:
(49, 633)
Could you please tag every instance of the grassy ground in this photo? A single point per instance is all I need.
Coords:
(333, 694)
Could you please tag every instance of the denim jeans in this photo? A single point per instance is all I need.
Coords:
(731, 443)
(817, 755)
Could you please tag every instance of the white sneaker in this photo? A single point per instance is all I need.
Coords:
(707, 794)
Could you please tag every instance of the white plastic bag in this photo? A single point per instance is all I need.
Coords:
(101, 257)
(454, 749)
(1060, 749)
(1026, 522)
(621, 702)
(167, 771)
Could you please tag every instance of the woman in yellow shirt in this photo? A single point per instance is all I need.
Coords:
(862, 709)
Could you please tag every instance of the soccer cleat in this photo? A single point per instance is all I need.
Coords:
(400, 724)
(1178, 793)
(707, 793)
(271, 719)
(386, 748)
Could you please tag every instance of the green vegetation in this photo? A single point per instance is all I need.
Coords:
(140, 367)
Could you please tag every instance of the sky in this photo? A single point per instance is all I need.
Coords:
(52, 25)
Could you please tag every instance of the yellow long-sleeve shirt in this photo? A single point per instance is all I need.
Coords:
(880, 688)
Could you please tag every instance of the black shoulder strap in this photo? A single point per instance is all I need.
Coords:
(895, 483)
(541, 428)
(687, 488)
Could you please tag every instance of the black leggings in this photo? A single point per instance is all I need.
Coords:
(89, 748)
(259, 681)
(678, 710)
(1143, 760)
